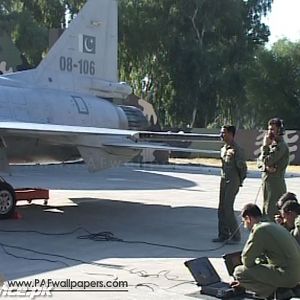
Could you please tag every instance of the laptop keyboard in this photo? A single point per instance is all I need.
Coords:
(220, 285)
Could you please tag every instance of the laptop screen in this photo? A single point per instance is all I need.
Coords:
(202, 271)
(232, 260)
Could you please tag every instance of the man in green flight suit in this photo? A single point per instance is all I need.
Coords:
(279, 251)
(273, 161)
(234, 171)
(290, 213)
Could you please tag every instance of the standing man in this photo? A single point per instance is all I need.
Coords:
(234, 171)
(270, 258)
(273, 161)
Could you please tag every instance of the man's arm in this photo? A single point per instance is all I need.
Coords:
(241, 164)
(253, 248)
(296, 231)
(271, 157)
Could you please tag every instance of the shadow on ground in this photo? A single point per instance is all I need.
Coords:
(135, 223)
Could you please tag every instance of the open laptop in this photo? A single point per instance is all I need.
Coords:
(232, 260)
(208, 279)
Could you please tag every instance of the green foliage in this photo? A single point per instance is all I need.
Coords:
(49, 13)
(28, 22)
(74, 6)
(196, 61)
(194, 54)
(27, 33)
(9, 10)
(273, 84)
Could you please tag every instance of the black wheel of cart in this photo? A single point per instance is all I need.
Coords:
(7, 200)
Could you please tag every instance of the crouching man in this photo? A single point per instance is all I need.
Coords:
(271, 256)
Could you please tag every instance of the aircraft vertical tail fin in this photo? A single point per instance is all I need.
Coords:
(84, 58)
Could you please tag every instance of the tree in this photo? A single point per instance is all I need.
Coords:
(188, 58)
(73, 6)
(193, 53)
(273, 84)
(28, 22)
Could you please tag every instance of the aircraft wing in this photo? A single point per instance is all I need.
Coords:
(177, 136)
(38, 129)
(101, 147)
(35, 129)
(154, 146)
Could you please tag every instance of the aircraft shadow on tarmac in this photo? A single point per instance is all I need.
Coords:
(188, 227)
(76, 177)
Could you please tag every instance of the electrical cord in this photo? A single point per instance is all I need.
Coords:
(164, 273)
(257, 194)
(107, 237)
(140, 273)
(104, 236)
(193, 282)
(110, 237)
(4, 245)
(45, 233)
(232, 235)
(147, 284)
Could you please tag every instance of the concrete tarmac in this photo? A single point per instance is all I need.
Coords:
(158, 217)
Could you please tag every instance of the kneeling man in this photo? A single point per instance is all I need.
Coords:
(271, 256)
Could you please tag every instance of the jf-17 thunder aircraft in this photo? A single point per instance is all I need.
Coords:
(63, 110)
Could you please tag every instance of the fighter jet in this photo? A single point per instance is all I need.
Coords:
(63, 109)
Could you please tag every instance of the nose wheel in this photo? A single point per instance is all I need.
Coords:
(7, 200)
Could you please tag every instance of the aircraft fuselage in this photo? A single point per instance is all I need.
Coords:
(23, 103)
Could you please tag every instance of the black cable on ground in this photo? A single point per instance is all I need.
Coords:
(45, 233)
(107, 236)
(104, 236)
(3, 246)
